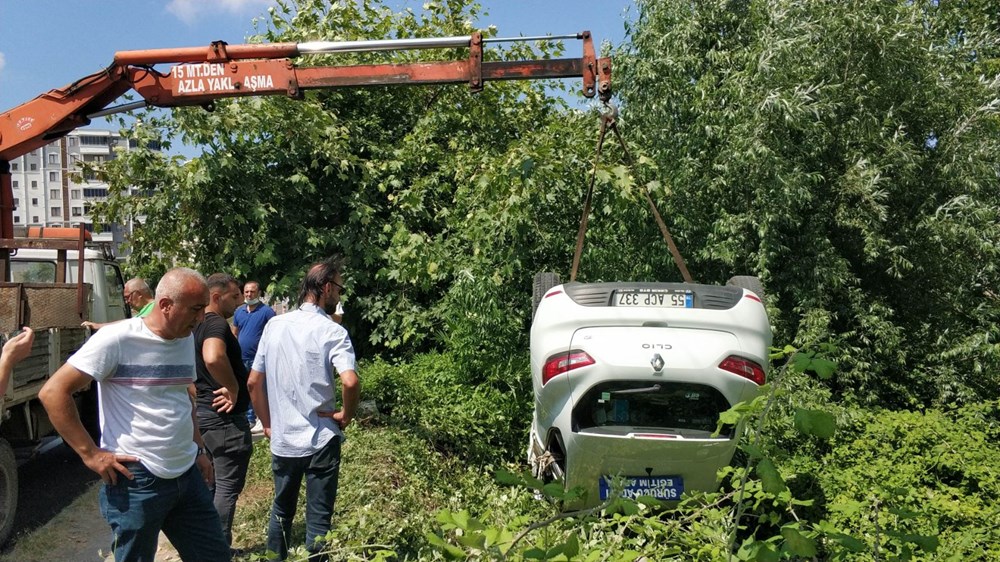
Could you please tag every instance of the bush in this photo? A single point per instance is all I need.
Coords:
(428, 395)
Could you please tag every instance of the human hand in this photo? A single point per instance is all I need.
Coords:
(206, 469)
(88, 324)
(108, 465)
(18, 347)
(223, 401)
(338, 416)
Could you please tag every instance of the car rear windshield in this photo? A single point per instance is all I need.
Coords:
(684, 408)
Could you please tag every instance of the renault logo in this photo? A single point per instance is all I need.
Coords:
(657, 362)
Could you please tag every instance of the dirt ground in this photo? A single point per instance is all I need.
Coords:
(77, 534)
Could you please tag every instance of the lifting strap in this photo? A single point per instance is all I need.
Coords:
(608, 122)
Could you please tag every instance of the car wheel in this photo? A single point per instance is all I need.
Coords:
(543, 281)
(750, 283)
(8, 490)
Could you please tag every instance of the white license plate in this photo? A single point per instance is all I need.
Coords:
(656, 300)
(660, 487)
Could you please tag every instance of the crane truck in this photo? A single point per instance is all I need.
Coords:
(198, 76)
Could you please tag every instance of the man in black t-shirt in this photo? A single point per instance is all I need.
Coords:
(220, 391)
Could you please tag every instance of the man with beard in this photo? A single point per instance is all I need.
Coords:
(220, 391)
(292, 385)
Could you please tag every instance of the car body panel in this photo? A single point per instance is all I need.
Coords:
(649, 403)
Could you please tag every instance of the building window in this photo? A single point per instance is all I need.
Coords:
(89, 140)
(76, 211)
(95, 192)
(17, 202)
(53, 158)
(34, 218)
(14, 183)
(94, 158)
(56, 212)
(33, 166)
(13, 167)
(74, 193)
(53, 176)
(17, 218)
(34, 201)
(34, 184)
(72, 141)
(53, 194)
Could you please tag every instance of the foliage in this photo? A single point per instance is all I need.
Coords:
(847, 153)
(482, 419)
(933, 496)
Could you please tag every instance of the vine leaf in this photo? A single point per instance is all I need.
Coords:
(815, 422)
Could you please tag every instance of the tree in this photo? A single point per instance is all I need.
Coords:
(846, 152)
(445, 202)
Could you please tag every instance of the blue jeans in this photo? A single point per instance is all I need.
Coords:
(251, 416)
(321, 470)
(181, 507)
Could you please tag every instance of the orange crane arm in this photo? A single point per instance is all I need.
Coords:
(200, 76)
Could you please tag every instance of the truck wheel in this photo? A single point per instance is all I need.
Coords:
(750, 283)
(8, 490)
(543, 281)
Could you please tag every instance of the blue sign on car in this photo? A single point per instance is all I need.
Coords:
(659, 487)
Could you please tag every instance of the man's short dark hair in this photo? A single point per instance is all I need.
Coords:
(221, 281)
(255, 282)
(319, 274)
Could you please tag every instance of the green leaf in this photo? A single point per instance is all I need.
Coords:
(815, 422)
(797, 543)
(450, 551)
(572, 546)
(824, 368)
(770, 478)
(508, 478)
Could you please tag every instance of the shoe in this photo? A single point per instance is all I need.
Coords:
(257, 429)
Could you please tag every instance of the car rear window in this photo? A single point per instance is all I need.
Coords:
(684, 408)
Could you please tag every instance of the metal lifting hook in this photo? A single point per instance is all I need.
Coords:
(609, 115)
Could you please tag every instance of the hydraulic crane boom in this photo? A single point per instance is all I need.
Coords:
(201, 75)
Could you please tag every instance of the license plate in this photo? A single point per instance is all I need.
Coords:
(659, 487)
(657, 300)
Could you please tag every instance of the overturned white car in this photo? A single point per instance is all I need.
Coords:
(630, 378)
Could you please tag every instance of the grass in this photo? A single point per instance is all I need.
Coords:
(391, 486)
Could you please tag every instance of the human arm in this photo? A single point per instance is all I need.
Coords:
(14, 351)
(213, 353)
(57, 397)
(350, 396)
(258, 396)
(202, 460)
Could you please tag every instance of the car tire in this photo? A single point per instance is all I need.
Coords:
(543, 281)
(750, 283)
(8, 490)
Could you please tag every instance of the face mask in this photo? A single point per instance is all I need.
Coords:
(253, 301)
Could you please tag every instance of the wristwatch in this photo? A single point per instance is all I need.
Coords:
(201, 451)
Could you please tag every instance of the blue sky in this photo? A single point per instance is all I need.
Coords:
(46, 44)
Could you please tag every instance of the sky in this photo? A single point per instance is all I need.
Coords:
(46, 44)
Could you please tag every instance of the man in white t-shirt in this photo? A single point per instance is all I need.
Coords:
(152, 457)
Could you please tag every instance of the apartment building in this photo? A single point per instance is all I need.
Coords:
(51, 189)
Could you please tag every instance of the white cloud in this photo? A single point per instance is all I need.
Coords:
(189, 11)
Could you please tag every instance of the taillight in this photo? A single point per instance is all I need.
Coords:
(744, 368)
(564, 362)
